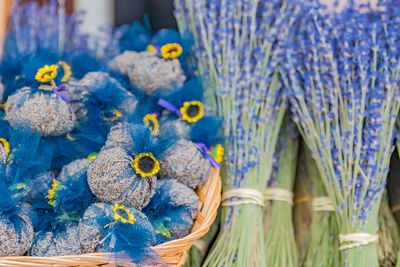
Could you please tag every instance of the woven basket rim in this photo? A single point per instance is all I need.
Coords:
(173, 252)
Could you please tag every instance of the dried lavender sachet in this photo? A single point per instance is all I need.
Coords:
(16, 234)
(112, 178)
(149, 72)
(70, 171)
(187, 164)
(118, 136)
(40, 111)
(104, 227)
(126, 174)
(16, 230)
(172, 210)
(182, 127)
(57, 243)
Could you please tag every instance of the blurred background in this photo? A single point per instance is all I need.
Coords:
(101, 13)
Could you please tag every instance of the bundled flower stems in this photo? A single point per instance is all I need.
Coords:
(389, 235)
(280, 246)
(316, 225)
(238, 47)
(302, 205)
(315, 221)
(343, 76)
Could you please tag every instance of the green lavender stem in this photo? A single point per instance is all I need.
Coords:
(323, 242)
(279, 234)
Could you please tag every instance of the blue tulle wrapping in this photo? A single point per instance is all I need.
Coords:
(71, 198)
(144, 141)
(127, 240)
(12, 207)
(191, 90)
(4, 126)
(172, 213)
(207, 130)
(27, 156)
(134, 37)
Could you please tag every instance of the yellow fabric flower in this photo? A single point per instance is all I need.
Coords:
(146, 165)
(47, 73)
(217, 153)
(52, 192)
(6, 145)
(151, 49)
(192, 111)
(67, 71)
(110, 114)
(151, 121)
(123, 215)
(69, 137)
(92, 155)
(171, 50)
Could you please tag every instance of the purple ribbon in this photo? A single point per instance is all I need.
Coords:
(169, 106)
(60, 89)
(204, 148)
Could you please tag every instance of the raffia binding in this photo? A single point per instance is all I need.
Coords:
(356, 239)
(322, 204)
(279, 194)
(242, 196)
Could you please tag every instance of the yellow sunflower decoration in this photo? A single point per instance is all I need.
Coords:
(122, 214)
(67, 71)
(217, 153)
(151, 121)
(47, 73)
(6, 145)
(170, 51)
(69, 137)
(192, 111)
(52, 192)
(110, 114)
(146, 165)
(92, 155)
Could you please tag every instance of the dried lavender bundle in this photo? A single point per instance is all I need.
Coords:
(280, 246)
(389, 235)
(302, 209)
(322, 240)
(343, 76)
(238, 46)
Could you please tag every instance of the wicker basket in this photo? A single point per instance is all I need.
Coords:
(174, 252)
